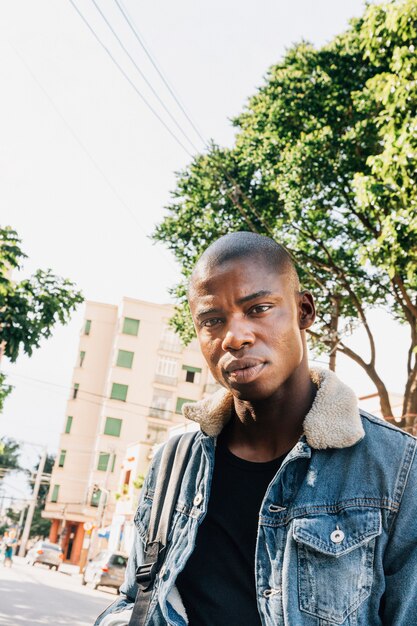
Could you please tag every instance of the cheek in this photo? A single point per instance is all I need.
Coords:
(289, 344)
(211, 351)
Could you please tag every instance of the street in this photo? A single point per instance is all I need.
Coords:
(37, 595)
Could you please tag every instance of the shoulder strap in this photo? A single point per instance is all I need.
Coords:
(171, 471)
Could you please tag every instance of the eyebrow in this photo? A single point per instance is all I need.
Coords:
(205, 312)
(253, 296)
(248, 298)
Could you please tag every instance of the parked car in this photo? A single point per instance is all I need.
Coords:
(106, 569)
(45, 552)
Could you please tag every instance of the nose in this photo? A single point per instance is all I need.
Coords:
(238, 335)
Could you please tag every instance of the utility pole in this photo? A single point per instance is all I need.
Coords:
(32, 505)
(104, 496)
(20, 524)
(1, 502)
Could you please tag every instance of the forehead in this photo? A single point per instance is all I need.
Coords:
(236, 280)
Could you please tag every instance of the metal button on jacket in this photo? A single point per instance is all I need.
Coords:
(198, 499)
(337, 536)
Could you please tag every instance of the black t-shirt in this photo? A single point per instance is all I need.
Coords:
(217, 585)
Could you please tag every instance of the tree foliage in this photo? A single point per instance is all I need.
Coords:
(9, 456)
(29, 309)
(324, 161)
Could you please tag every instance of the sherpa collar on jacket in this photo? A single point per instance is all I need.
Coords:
(332, 422)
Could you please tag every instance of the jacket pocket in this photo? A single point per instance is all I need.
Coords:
(335, 561)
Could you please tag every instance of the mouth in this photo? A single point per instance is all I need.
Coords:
(244, 371)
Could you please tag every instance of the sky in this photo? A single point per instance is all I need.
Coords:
(86, 169)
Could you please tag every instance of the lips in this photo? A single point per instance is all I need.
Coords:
(244, 370)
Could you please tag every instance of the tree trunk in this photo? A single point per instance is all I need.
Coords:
(384, 400)
(410, 401)
(369, 368)
(334, 323)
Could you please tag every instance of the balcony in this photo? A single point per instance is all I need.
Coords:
(210, 388)
(171, 346)
(161, 413)
(172, 381)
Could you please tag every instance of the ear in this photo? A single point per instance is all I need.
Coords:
(307, 310)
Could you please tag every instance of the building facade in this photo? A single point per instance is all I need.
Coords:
(130, 381)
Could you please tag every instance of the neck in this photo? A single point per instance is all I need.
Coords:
(266, 429)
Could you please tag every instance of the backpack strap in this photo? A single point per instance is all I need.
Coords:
(171, 471)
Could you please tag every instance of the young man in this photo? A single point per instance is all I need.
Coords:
(296, 508)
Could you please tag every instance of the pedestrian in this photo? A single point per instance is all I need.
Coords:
(296, 508)
(8, 541)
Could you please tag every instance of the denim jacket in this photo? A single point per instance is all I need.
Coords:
(337, 532)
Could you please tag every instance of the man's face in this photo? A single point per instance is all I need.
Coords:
(249, 323)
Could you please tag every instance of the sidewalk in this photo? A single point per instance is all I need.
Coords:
(69, 569)
(65, 568)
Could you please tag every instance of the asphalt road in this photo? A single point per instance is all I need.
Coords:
(37, 595)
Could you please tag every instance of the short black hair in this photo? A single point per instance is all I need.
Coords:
(244, 245)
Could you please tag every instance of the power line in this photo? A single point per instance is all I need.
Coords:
(155, 93)
(121, 70)
(85, 150)
(134, 29)
(96, 395)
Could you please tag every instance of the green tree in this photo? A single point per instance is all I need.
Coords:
(29, 309)
(9, 456)
(324, 161)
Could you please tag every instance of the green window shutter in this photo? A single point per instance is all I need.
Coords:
(75, 390)
(180, 402)
(62, 458)
(87, 327)
(119, 392)
(55, 492)
(130, 326)
(124, 358)
(82, 357)
(68, 424)
(113, 463)
(190, 368)
(113, 426)
(95, 497)
(103, 461)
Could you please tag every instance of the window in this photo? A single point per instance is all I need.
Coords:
(62, 458)
(87, 327)
(156, 434)
(170, 341)
(113, 426)
(75, 390)
(124, 358)
(192, 374)
(180, 402)
(161, 403)
(166, 371)
(130, 326)
(127, 477)
(82, 357)
(117, 560)
(55, 492)
(68, 424)
(103, 461)
(119, 392)
(95, 496)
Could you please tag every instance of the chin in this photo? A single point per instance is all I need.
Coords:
(251, 393)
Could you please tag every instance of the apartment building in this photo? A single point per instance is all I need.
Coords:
(130, 381)
(121, 531)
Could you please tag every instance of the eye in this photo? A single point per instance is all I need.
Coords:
(260, 308)
(211, 322)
